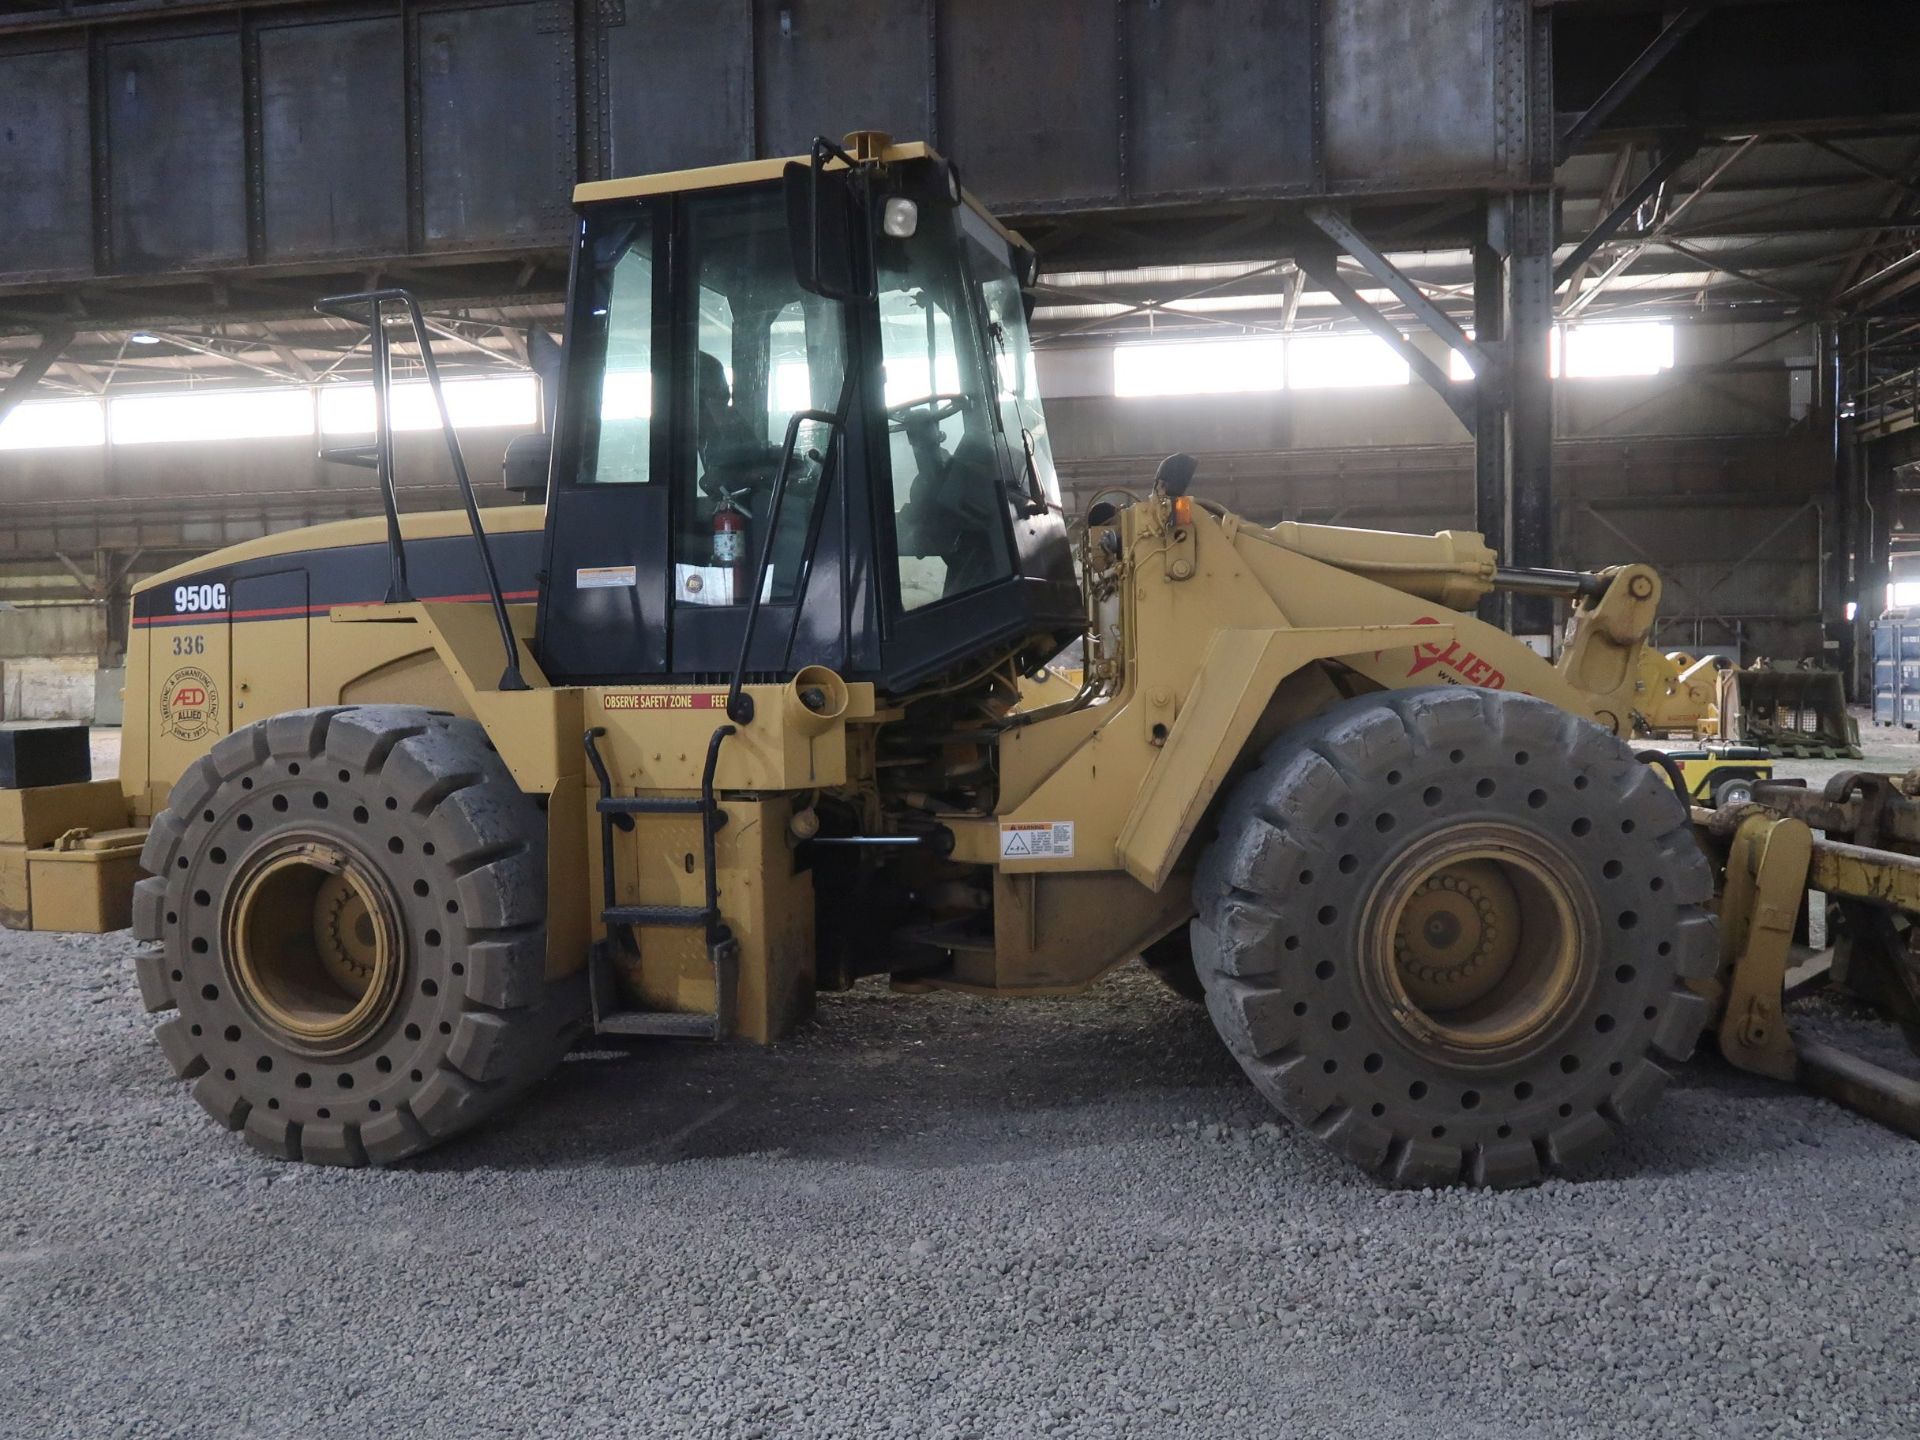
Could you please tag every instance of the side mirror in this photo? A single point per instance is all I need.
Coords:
(823, 226)
(1175, 474)
(524, 467)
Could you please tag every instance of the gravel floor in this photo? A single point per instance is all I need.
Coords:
(923, 1217)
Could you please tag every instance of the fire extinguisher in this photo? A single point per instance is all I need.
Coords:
(730, 519)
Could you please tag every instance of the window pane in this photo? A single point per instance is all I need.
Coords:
(1022, 421)
(1339, 361)
(626, 381)
(950, 515)
(1599, 351)
(473, 404)
(766, 349)
(1199, 367)
(210, 415)
(47, 424)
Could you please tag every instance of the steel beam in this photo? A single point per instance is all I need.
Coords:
(1529, 428)
(1596, 114)
(1490, 398)
(1577, 303)
(1678, 153)
(1323, 269)
(32, 370)
(1338, 228)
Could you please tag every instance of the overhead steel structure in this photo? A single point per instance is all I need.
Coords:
(200, 171)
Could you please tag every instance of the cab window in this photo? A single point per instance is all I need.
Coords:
(619, 445)
(1023, 424)
(949, 510)
(765, 349)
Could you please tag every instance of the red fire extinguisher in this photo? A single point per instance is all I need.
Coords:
(730, 542)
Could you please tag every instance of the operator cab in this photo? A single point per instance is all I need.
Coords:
(812, 378)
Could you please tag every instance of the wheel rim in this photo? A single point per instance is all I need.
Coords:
(1480, 941)
(312, 943)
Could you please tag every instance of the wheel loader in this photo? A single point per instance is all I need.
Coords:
(748, 708)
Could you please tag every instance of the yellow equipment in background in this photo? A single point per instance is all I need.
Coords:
(1799, 712)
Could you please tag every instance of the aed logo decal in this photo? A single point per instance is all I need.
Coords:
(189, 705)
(1452, 657)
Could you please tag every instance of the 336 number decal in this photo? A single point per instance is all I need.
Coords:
(189, 644)
(198, 599)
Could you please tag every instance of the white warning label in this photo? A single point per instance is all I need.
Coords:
(1037, 840)
(605, 577)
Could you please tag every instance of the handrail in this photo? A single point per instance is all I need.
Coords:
(375, 301)
(740, 706)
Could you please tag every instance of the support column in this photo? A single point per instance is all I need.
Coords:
(1529, 429)
(1490, 404)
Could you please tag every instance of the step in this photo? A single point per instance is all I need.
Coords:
(657, 1022)
(685, 916)
(650, 805)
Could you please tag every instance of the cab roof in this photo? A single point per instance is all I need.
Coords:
(710, 177)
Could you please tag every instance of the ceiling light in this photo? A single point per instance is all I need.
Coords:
(141, 337)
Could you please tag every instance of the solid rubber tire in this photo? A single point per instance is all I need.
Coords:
(425, 798)
(1280, 892)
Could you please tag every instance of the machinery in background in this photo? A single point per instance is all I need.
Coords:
(1798, 711)
(1722, 775)
(1863, 867)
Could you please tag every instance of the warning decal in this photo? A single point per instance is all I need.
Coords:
(1037, 840)
(665, 700)
(605, 577)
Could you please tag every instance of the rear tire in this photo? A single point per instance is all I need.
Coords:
(350, 910)
(1448, 930)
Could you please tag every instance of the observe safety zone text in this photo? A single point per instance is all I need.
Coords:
(1037, 840)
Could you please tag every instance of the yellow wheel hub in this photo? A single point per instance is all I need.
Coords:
(312, 943)
(1478, 941)
(1457, 934)
(344, 931)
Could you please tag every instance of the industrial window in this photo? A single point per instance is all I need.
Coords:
(1223, 367)
(210, 415)
(54, 424)
(1598, 352)
(1333, 362)
(1200, 367)
(473, 404)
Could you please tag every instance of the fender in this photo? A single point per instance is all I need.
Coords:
(1236, 682)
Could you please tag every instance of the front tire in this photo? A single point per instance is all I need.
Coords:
(1448, 930)
(350, 907)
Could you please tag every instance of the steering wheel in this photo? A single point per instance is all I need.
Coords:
(936, 408)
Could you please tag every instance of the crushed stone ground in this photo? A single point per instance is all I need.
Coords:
(926, 1217)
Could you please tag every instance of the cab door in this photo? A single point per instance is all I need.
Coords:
(603, 600)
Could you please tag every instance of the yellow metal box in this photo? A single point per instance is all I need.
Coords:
(15, 911)
(41, 815)
(88, 888)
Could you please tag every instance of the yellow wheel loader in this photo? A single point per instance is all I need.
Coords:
(737, 715)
